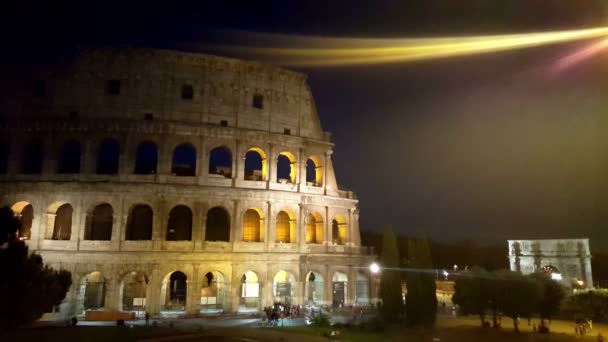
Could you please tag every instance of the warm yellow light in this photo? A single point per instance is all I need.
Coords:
(348, 51)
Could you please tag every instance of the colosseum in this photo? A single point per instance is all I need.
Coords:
(178, 184)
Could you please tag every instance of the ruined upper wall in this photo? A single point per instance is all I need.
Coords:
(150, 86)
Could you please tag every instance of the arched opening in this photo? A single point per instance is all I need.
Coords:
(285, 228)
(314, 228)
(314, 172)
(255, 165)
(362, 295)
(99, 223)
(146, 160)
(139, 223)
(4, 152)
(108, 157)
(314, 288)
(33, 155)
(284, 287)
(69, 161)
(286, 168)
(179, 227)
(339, 288)
(338, 230)
(250, 292)
(62, 227)
(25, 213)
(253, 226)
(93, 291)
(174, 292)
(134, 287)
(184, 160)
(213, 293)
(552, 271)
(217, 227)
(220, 162)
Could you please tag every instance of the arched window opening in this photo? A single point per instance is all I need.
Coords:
(314, 173)
(252, 226)
(339, 287)
(220, 162)
(99, 223)
(255, 165)
(139, 223)
(94, 291)
(180, 224)
(146, 160)
(4, 152)
(62, 229)
(362, 295)
(217, 227)
(285, 229)
(33, 155)
(174, 292)
(134, 287)
(184, 160)
(213, 293)
(284, 286)
(108, 157)
(70, 157)
(314, 228)
(250, 292)
(338, 230)
(315, 287)
(25, 213)
(286, 168)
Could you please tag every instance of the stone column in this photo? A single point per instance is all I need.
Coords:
(234, 290)
(329, 286)
(193, 296)
(301, 177)
(165, 157)
(325, 168)
(153, 292)
(272, 161)
(301, 227)
(112, 293)
(202, 164)
(351, 294)
(159, 223)
(269, 231)
(118, 224)
(267, 293)
(88, 158)
(237, 221)
(240, 164)
(327, 238)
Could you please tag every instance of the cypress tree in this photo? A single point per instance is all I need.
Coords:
(390, 279)
(421, 298)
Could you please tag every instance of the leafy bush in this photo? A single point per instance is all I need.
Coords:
(320, 320)
(583, 305)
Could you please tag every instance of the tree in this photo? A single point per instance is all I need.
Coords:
(28, 288)
(552, 295)
(590, 304)
(516, 295)
(421, 297)
(390, 280)
(472, 293)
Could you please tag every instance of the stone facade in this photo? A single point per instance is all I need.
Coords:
(570, 258)
(303, 244)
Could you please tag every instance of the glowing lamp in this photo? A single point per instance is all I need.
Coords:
(374, 268)
(556, 276)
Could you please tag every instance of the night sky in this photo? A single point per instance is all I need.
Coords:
(486, 147)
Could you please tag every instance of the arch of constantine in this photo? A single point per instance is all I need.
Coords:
(178, 183)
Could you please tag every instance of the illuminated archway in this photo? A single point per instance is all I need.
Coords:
(315, 288)
(314, 228)
(25, 213)
(285, 227)
(256, 165)
(339, 230)
(286, 168)
(314, 171)
(61, 219)
(362, 294)
(214, 290)
(339, 289)
(284, 287)
(253, 226)
(92, 291)
(134, 288)
(250, 292)
(174, 292)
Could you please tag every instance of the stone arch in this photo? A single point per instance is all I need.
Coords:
(134, 287)
(314, 228)
(220, 161)
(99, 223)
(314, 288)
(214, 292)
(339, 230)
(174, 292)
(179, 227)
(146, 158)
(250, 292)
(92, 292)
(60, 219)
(339, 288)
(139, 223)
(25, 213)
(108, 157)
(362, 288)
(184, 160)
(253, 225)
(284, 287)
(285, 227)
(69, 157)
(314, 171)
(256, 165)
(217, 226)
(33, 157)
(286, 168)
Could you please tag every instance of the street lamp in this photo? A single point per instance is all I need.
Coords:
(374, 268)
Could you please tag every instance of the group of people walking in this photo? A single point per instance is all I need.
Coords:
(281, 310)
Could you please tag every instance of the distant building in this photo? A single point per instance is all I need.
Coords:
(568, 260)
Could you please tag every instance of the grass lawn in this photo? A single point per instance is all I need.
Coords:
(89, 334)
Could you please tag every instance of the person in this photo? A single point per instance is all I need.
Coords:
(74, 321)
(147, 316)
